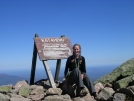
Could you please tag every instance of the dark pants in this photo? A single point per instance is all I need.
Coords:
(76, 76)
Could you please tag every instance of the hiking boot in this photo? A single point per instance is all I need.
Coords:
(83, 92)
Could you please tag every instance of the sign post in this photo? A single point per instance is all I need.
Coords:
(50, 49)
(33, 63)
(57, 69)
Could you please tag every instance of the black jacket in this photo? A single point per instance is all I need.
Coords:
(70, 64)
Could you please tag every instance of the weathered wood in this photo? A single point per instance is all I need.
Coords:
(33, 63)
(49, 74)
(53, 48)
(57, 69)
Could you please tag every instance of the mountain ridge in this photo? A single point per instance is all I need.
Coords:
(6, 79)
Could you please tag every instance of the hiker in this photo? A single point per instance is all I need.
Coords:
(76, 70)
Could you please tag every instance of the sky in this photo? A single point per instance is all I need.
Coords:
(103, 28)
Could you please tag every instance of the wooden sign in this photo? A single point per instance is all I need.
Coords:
(50, 49)
(53, 48)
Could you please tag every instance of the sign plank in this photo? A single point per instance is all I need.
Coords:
(53, 48)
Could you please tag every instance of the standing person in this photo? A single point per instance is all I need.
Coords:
(76, 70)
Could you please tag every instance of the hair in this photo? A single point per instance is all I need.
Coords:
(77, 45)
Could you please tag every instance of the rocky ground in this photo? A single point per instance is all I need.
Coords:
(115, 86)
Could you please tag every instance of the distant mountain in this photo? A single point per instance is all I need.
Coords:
(8, 79)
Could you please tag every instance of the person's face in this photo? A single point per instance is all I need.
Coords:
(76, 50)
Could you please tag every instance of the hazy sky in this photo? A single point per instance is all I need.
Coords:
(104, 28)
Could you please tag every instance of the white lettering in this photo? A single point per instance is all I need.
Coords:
(42, 40)
(52, 40)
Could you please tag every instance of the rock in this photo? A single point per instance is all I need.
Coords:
(119, 97)
(37, 97)
(131, 87)
(98, 87)
(19, 84)
(57, 98)
(5, 89)
(127, 91)
(88, 97)
(14, 95)
(20, 99)
(127, 68)
(78, 99)
(44, 82)
(36, 89)
(4, 97)
(24, 91)
(122, 83)
(109, 85)
(54, 91)
(106, 93)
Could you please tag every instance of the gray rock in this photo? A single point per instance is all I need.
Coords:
(119, 97)
(98, 87)
(4, 97)
(24, 91)
(122, 83)
(14, 95)
(127, 91)
(37, 97)
(20, 99)
(127, 68)
(88, 97)
(5, 89)
(131, 87)
(19, 84)
(54, 91)
(57, 98)
(106, 93)
(78, 99)
(36, 89)
(44, 82)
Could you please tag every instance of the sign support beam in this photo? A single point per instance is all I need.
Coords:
(57, 69)
(33, 63)
(49, 74)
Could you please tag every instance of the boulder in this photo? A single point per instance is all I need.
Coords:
(4, 97)
(106, 93)
(57, 98)
(24, 91)
(5, 89)
(36, 89)
(119, 97)
(98, 87)
(37, 97)
(122, 83)
(20, 99)
(54, 91)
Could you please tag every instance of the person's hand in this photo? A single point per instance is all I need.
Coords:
(82, 76)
